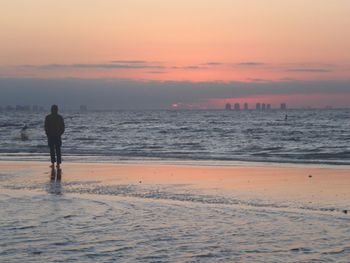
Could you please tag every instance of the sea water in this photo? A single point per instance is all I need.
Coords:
(305, 136)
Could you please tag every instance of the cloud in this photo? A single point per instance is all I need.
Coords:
(189, 67)
(158, 66)
(287, 79)
(258, 80)
(204, 66)
(289, 67)
(132, 94)
(129, 61)
(310, 70)
(251, 64)
(133, 65)
(156, 72)
(193, 67)
(213, 63)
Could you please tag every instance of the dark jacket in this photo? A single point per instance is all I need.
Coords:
(54, 125)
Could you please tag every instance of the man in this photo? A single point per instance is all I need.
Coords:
(54, 128)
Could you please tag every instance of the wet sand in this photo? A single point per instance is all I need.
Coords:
(323, 185)
(144, 212)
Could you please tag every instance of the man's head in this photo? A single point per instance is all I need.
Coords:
(54, 109)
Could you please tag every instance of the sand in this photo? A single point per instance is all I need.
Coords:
(323, 185)
(147, 212)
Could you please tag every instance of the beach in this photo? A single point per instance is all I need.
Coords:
(173, 212)
(174, 131)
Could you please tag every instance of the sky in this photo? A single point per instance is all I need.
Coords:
(273, 51)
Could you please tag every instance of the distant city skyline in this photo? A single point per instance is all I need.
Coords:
(127, 94)
(85, 108)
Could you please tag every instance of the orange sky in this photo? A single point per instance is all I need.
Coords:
(297, 34)
(192, 40)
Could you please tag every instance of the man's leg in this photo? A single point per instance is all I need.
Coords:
(58, 145)
(51, 144)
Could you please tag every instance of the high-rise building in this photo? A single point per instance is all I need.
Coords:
(237, 106)
(22, 108)
(228, 106)
(268, 106)
(283, 106)
(263, 106)
(258, 106)
(246, 106)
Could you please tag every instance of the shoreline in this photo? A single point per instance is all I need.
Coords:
(176, 162)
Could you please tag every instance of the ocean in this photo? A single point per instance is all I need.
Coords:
(307, 136)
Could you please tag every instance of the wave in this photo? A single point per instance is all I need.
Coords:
(319, 137)
(8, 125)
(86, 139)
(100, 156)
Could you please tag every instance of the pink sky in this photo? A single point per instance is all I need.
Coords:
(192, 40)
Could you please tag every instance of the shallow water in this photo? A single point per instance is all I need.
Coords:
(44, 220)
(308, 136)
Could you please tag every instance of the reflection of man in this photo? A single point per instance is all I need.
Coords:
(54, 128)
(55, 175)
(55, 182)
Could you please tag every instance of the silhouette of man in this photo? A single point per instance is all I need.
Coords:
(54, 128)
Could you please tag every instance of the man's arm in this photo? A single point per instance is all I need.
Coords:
(62, 126)
(46, 126)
